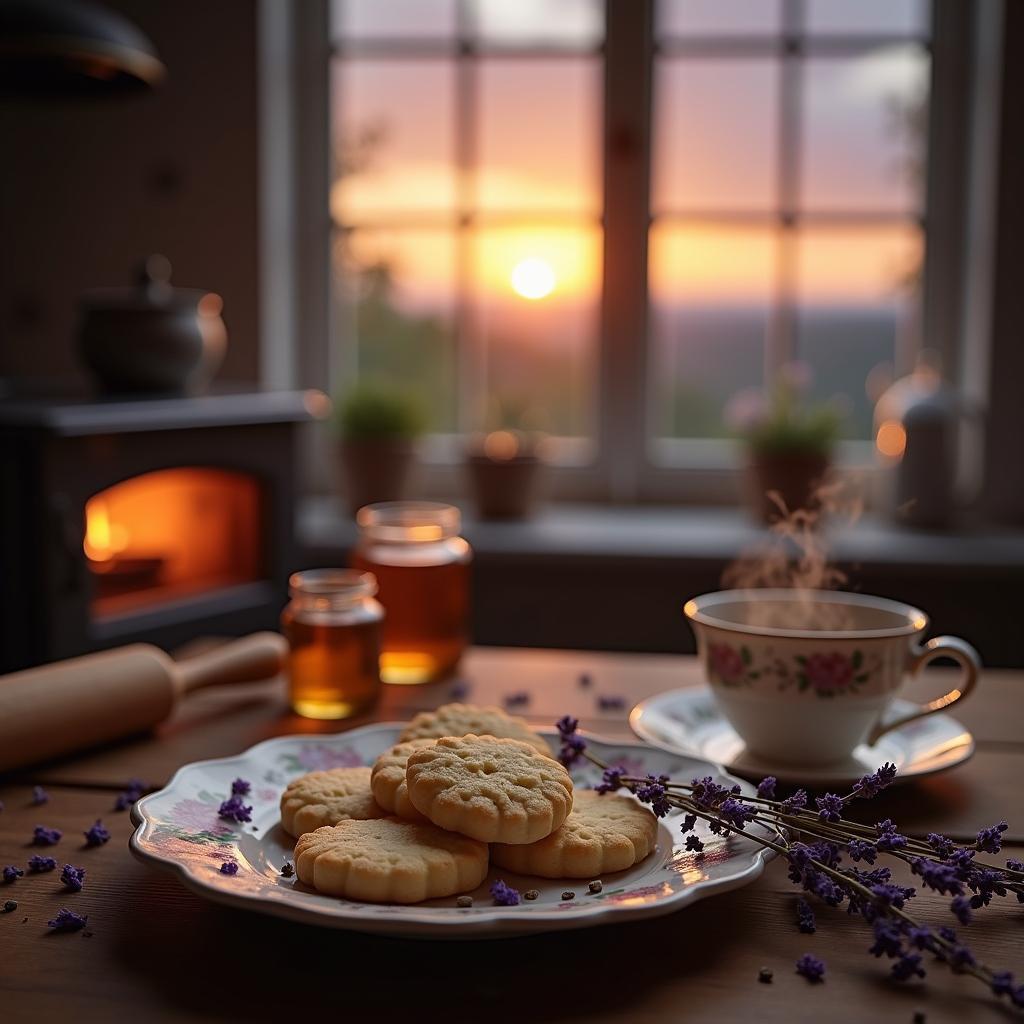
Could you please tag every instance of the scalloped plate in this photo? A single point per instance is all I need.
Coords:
(178, 830)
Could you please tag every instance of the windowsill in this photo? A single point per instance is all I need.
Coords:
(563, 531)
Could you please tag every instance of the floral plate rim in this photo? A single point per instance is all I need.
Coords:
(195, 870)
(959, 749)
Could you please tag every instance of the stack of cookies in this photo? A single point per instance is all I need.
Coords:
(463, 787)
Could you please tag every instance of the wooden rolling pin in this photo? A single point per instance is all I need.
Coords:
(63, 707)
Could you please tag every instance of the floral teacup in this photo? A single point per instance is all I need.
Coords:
(804, 677)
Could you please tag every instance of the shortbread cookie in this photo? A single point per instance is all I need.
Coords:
(602, 833)
(389, 861)
(325, 798)
(463, 719)
(387, 780)
(495, 790)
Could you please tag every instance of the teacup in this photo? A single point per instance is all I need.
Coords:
(804, 677)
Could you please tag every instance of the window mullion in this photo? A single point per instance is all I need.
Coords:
(623, 425)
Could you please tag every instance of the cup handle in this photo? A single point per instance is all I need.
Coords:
(938, 647)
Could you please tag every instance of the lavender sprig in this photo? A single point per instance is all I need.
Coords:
(815, 843)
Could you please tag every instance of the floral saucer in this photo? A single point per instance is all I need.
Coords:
(689, 722)
(178, 828)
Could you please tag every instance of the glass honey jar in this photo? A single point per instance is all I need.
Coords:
(422, 568)
(332, 625)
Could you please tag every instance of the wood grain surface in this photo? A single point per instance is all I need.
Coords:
(157, 952)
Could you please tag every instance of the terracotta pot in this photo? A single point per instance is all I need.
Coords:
(794, 476)
(375, 469)
(504, 488)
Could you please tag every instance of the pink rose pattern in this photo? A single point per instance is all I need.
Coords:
(727, 663)
(825, 673)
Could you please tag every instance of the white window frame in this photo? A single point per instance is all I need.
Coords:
(300, 320)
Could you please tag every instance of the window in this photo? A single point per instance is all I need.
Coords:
(466, 205)
(602, 221)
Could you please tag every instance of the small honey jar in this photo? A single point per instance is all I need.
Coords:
(422, 565)
(332, 625)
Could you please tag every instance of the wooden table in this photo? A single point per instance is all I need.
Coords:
(154, 951)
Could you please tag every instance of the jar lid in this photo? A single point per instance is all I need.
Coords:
(409, 522)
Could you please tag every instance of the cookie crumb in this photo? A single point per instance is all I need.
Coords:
(531, 894)
(765, 975)
(596, 886)
(10, 906)
(568, 895)
(464, 901)
(287, 870)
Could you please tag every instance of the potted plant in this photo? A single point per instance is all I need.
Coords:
(378, 430)
(789, 441)
(504, 465)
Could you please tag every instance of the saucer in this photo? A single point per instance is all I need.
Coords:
(690, 722)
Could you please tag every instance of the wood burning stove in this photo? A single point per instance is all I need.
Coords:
(147, 519)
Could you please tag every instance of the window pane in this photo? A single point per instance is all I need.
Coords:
(858, 309)
(715, 134)
(536, 299)
(392, 137)
(868, 16)
(575, 23)
(711, 292)
(714, 18)
(865, 130)
(539, 141)
(399, 289)
(392, 19)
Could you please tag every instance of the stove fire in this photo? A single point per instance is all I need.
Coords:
(170, 533)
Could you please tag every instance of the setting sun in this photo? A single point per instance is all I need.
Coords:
(533, 279)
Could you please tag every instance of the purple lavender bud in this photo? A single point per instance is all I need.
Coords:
(1015, 865)
(240, 787)
(504, 895)
(862, 850)
(990, 839)
(830, 808)
(794, 803)
(97, 835)
(694, 844)
(68, 921)
(73, 877)
(888, 937)
(919, 937)
(766, 787)
(42, 836)
(908, 966)
(229, 868)
(961, 908)
(811, 968)
(39, 796)
(233, 809)
(871, 785)
(611, 779)
(689, 823)
(943, 878)
(12, 873)
(805, 917)
(611, 702)
(942, 846)
(38, 864)
(571, 750)
(585, 680)
(567, 725)
(653, 792)
(517, 700)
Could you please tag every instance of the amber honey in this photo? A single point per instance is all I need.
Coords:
(422, 570)
(333, 630)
